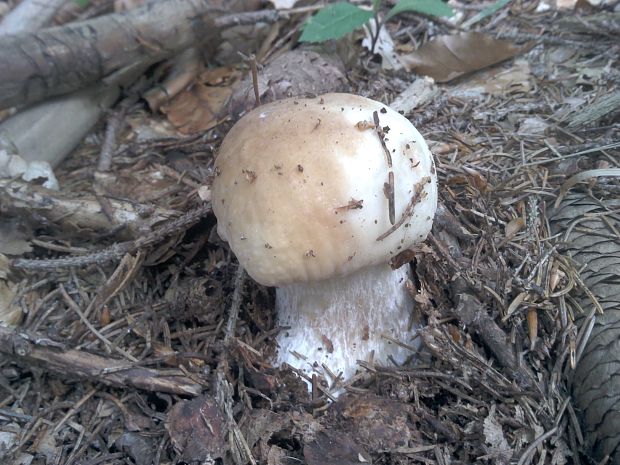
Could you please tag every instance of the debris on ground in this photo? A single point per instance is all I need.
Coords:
(128, 333)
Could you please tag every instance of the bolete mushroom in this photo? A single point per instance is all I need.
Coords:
(315, 196)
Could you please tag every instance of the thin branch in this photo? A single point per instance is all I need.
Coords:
(29, 349)
(117, 251)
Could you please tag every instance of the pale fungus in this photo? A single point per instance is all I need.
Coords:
(315, 196)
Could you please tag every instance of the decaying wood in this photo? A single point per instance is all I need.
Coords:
(37, 65)
(35, 349)
(30, 15)
(41, 122)
(76, 215)
(607, 104)
(419, 93)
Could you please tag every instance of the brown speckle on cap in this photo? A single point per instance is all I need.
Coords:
(250, 175)
(364, 125)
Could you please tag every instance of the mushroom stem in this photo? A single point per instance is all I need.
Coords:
(336, 322)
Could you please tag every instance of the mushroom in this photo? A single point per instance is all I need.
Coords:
(315, 196)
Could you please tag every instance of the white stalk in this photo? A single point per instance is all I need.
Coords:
(338, 321)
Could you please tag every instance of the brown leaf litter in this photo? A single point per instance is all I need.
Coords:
(447, 57)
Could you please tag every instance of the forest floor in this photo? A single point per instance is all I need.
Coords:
(158, 351)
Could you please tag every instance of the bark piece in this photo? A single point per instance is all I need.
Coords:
(43, 122)
(607, 104)
(37, 65)
(376, 423)
(198, 430)
(334, 447)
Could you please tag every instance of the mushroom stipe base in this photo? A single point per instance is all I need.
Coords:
(336, 322)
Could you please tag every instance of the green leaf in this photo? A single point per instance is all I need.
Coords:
(333, 22)
(427, 7)
(486, 12)
(82, 3)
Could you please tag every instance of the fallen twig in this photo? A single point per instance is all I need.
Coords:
(53, 61)
(74, 215)
(117, 251)
(30, 348)
(472, 313)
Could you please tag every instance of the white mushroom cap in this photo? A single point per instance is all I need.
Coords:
(300, 194)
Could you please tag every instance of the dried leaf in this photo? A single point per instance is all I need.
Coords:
(204, 192)
(561, 453)
(201, 107)
(496, 81)
(514, 226)
(476, 180)
(13, 240)
(262, 424)
(198, 109)
(45, 444)
(448, 57)
(514, 305)
(378, 423)
(532, 126)
(8, 436)
(276, 456)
